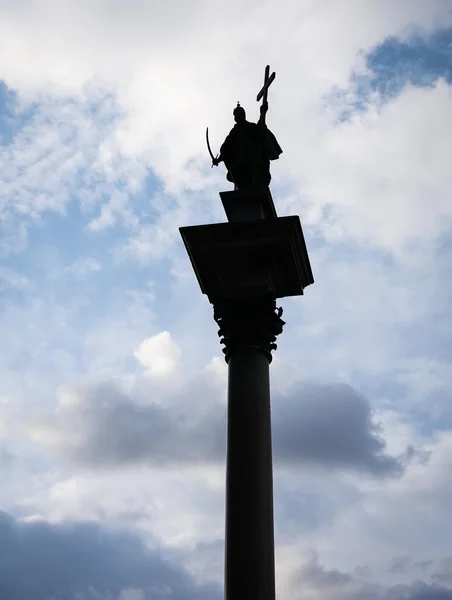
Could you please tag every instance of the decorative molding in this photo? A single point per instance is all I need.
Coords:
(248, 324)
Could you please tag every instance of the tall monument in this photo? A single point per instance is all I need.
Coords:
(244, 266)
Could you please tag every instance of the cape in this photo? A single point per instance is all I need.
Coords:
(274, 150)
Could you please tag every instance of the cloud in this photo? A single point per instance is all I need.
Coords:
(85, 561)
(159, 354)
(382, 165)
(106, 114)
(101, 425)
(405, 516)
(82, 267)
(443, 573)
(329, 425)
(313, 581)
(11, 280)
(60, 146)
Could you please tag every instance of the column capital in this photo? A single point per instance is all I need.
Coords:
(248, 324)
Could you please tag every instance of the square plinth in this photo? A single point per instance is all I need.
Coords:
(242, 206)
(241, 259)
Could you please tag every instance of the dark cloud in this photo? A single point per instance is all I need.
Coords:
(424, 564)
(317, 582)
(399, 564)
(103, 426)
(329, 425)
(6, 457)
(83, 561)
(325, 425)
(443, 573)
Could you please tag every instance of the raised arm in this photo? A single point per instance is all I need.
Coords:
(264, 109)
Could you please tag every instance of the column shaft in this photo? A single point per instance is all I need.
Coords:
(249, 560)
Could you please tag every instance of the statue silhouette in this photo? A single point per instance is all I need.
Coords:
(248, 150)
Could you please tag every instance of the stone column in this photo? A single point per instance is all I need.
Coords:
(248, 330)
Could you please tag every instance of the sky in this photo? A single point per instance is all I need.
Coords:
(112, 379)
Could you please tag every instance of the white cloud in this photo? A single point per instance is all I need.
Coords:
(384, 177)
(167, 86)
(56, 151)
(10, 279)
(83, 267)
(313, 581)
(132, 594)
(159, 354)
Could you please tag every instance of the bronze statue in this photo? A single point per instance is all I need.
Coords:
(249, 147)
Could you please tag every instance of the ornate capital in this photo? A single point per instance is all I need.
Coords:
(248, 323)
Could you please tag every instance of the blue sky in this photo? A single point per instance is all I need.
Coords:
(112, 381)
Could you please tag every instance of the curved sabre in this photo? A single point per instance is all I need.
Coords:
(209, 148)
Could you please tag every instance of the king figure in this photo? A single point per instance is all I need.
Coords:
(249, 147)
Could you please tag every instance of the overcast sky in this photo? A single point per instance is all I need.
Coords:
(112, 380)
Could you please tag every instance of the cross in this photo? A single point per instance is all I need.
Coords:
(268, 80)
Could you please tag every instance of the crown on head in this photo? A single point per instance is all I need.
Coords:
(238, 109)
